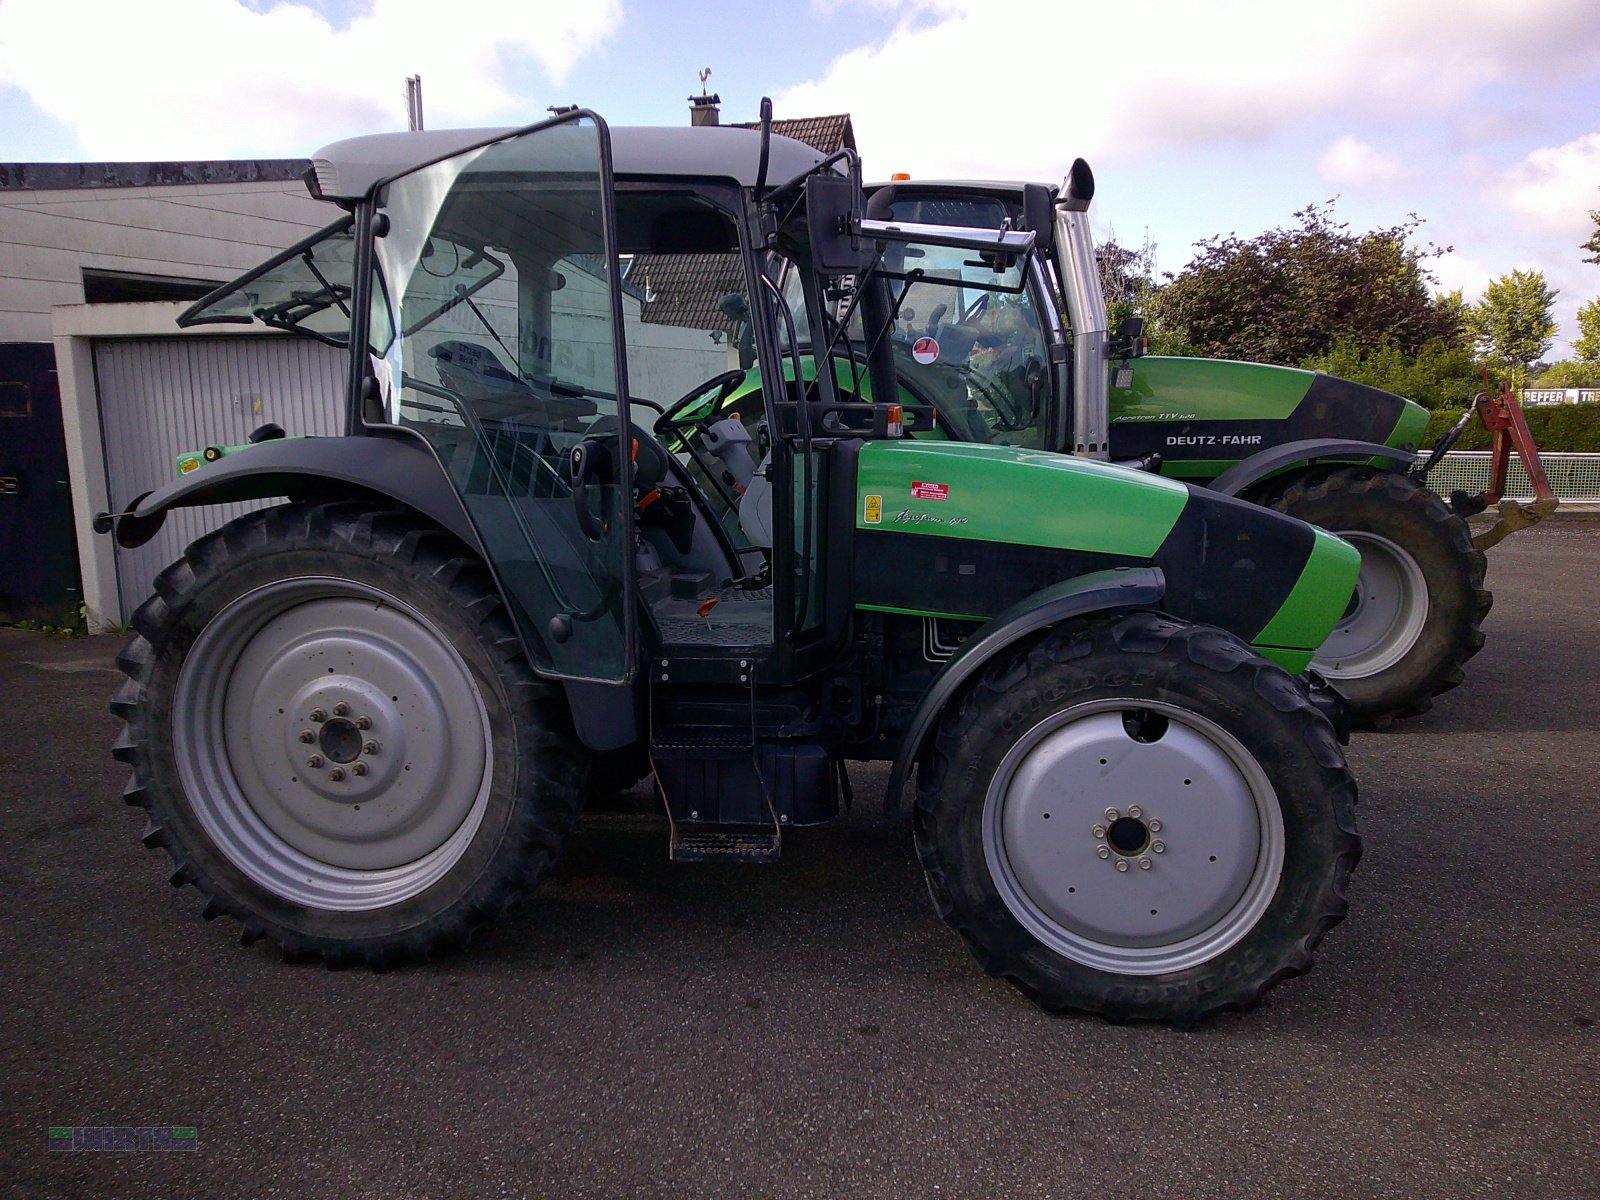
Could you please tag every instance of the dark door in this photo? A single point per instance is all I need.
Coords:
(38, 550)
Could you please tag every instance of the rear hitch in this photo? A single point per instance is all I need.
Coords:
(1501, 414)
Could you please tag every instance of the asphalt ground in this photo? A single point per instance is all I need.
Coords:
(810, 1029)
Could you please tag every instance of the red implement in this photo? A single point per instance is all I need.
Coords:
(1501, 414)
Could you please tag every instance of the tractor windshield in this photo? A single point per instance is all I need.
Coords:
(968, 341)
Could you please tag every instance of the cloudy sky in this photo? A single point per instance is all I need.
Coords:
(1200, 116)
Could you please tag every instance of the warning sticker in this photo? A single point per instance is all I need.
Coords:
(925, 350)
(872, 513)
(930, 491)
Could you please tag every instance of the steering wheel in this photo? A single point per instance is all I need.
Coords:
(670, 421)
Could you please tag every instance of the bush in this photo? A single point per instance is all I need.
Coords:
(1437, 376)
(1554, 427)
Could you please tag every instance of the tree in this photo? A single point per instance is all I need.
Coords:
(1513, 324)
(1568, 374)
(1587, 344)
(1127, 278)
(1290, 294)
(1593, 244)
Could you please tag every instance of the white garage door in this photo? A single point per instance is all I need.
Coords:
(162, 396)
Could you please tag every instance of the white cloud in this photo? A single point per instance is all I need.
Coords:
(1352, 162)
(1455, 270)
(200, 78)
(1556, 187)
(960, 89)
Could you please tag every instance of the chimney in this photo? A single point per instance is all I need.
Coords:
(414, 102)
(703, 109)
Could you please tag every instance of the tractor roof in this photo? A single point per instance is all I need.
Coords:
(346, 170)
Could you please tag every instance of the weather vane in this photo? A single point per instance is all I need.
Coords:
(705, 74)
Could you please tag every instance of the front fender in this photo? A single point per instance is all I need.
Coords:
(1098, 591)
(401, 467)
(1280, 458)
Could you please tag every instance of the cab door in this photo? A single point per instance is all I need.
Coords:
(504, 349)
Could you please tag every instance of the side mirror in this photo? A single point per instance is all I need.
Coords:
(1129, 342)
(1039, 211)
(834, 206)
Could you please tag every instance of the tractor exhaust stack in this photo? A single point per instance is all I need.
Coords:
(1086, 309)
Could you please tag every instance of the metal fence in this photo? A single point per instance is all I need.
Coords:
(1573, 476)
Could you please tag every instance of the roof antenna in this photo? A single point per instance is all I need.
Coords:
(414, 102)
(766, 145)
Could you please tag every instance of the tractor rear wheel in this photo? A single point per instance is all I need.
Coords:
(1139, 818)
(1415, 616)
(337, 738)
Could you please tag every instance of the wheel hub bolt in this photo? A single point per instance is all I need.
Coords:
(1102, 852)
(307, 736)
(363, 722)
(1099, 830)
(370, 748)
(1158, 847)
(318, 715)
(1122, 864)
(1144, 864)
(359, 768)
(1111, 815)
(341, 709)
(1135, 811)
(1155, 825)
(314, 761)
(336, 774)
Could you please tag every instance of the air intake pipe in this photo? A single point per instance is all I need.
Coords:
(1086, 311)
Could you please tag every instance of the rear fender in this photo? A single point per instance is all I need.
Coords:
(1243, 475)
(1098, 591)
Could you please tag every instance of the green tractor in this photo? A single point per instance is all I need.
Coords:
(1339, 454)
(362, 719)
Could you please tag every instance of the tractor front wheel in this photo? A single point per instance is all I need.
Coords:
(1414, 617)
(337, 738)
(1139, 818)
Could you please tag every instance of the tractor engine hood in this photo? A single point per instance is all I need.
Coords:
(1206, 410)
(962, 530)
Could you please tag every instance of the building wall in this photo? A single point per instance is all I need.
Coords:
(209, 231)
(160, 396)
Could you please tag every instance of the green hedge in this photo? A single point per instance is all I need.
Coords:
(1554, 427)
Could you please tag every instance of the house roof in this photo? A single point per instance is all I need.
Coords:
(826, 134)
(683, 289)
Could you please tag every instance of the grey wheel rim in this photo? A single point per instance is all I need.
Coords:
(1129, 853)
(1387, 614)
(332, 743)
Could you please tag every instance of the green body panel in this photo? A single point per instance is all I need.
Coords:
(1024, 497)
(1169, 389)
(1409, 429)
(1306, 618)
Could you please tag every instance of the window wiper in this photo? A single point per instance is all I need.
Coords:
(301, 305)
